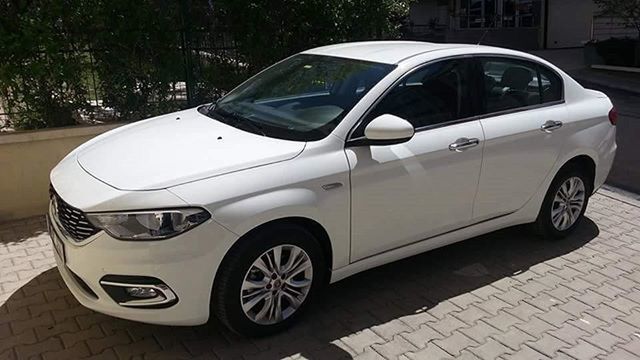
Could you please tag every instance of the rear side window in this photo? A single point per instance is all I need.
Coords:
(551, 85)
(435, 94)
(511, 84)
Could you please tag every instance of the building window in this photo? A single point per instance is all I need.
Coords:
(520, 13)
(499, 13)
(477, 13)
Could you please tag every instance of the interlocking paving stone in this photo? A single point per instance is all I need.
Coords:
(514, 338)
(603, 340)
(394, 348)
(548, 345)
(360, 341)
(455, 343)
(633, 346)
(416, 320)
(480, 331)
(569, 333)
(432, 351)
(583, 351)
(619, 354)
(490, 350)
(506, 295)
(421, 337)
(526, 353)
(492, 305)
(621, 329)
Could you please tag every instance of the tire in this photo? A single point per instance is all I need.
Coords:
(552, 206)
(241, 269)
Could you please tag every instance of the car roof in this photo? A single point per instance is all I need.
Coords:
(391, 52)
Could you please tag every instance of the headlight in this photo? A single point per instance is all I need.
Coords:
(148, 225)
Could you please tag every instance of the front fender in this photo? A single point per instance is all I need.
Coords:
(244, 200)
(243, 215)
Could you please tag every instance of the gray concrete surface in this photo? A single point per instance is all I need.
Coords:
(505, 295)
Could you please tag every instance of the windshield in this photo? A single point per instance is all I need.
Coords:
(302, 98)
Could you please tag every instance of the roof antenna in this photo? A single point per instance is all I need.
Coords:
(483, 35)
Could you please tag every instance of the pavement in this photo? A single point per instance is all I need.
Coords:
(506, 295)
(608, 80)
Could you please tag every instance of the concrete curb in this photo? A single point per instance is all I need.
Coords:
(620, 195)
(606, 84)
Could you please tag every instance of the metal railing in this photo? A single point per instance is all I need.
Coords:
(196, 52)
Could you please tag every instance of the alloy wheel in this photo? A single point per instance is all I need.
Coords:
(276, 284)
(568, 203)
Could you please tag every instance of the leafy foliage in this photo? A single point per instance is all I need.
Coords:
(627, 10)
(136, 55)
(269, 30)
(137, 52)
(41, 65)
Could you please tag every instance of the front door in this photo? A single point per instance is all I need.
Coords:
(404, 193)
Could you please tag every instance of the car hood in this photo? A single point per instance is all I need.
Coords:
(177, 148)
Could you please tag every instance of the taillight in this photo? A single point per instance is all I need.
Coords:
(613, 116)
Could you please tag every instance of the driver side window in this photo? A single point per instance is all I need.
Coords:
(432, 95)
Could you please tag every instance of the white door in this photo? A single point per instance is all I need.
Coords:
(523, 139)
(407, 192)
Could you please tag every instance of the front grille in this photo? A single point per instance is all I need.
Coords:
(72, 220)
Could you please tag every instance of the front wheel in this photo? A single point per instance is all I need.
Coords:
(268, 280)
(564, 205)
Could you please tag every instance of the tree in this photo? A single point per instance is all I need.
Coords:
(629, 12)
(269, 30)
(135, 45)
(626, 10)
(41, 65)
(136, 52)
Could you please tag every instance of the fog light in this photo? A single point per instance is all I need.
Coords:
(138, 291)
(142, 292)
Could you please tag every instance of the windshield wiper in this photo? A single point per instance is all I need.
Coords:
(240, 120)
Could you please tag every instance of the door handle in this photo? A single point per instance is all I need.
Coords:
(463, 144)
(551, 125)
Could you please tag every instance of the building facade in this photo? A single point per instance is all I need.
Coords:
(520, 24)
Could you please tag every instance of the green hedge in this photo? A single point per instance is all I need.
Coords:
(618, 51)
(57, 55)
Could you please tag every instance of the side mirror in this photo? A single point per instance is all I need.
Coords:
(388, 130)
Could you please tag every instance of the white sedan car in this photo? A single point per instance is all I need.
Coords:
(328, 163)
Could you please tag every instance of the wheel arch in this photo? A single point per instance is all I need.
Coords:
(220, 285)
(315, 228)
(584, 162)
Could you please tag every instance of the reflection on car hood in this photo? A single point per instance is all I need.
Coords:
(177, 148)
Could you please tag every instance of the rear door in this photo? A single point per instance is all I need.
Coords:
(523, 118)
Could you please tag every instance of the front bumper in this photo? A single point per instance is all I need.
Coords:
(186, 263)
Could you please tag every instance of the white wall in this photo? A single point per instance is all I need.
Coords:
(569, 23)
(422, 11)
(26, 158)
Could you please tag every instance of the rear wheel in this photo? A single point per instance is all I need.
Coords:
(564, 205)
(267, 281)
